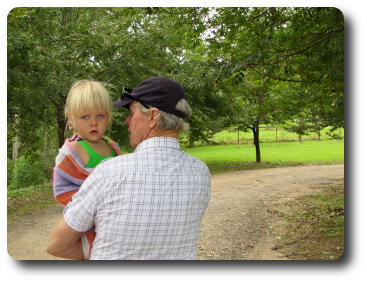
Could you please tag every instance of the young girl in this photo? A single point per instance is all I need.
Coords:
(88, 112)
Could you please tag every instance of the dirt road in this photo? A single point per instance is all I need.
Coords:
(237, 224)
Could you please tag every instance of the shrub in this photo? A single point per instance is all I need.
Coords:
(27, 172)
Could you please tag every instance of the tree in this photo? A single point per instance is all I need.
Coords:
(50, 48)
(298, 126)
(53, 56)
(254, 103)
(300, 49)
(215, 53)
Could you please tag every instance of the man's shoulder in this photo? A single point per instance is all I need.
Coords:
(119, 161)
(196, 162)
(131, 162)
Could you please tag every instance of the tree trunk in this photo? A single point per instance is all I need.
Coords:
(16, 141)
(16, 145)
(60, 116)
(255, 131)
(299, 138)
(61, 125)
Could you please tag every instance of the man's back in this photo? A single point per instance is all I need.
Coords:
(152, 204)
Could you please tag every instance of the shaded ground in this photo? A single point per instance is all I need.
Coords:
(237, 225)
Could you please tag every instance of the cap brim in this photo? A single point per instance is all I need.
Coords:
(124, 102)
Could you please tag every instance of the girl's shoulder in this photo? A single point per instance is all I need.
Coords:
(74, 140)
(75, 137)
(80, 151)
(75, 144)
(113, 144)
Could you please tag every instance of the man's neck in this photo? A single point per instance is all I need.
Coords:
(164, 133)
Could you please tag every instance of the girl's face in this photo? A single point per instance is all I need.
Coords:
(91, 125)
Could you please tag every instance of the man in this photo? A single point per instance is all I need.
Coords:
(148, 204)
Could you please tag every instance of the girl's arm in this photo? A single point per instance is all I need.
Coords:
(68, 174)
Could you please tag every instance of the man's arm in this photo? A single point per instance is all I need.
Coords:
(65, 242)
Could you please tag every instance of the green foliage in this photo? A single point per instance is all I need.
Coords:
(238, 65)
(27, 172)
(119, 131)
(279, 62)
(299, 126)
(335, 133)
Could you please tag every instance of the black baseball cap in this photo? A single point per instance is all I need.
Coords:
(160, 92)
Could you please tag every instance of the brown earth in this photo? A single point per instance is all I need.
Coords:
(237, 224)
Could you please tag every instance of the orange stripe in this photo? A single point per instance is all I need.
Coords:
(72, 168)
(65, 198)
(90, 236)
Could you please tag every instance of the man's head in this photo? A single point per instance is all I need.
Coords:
(157, 106)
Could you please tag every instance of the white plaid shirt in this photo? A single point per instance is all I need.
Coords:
(145, 205)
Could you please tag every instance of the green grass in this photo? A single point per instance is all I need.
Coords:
(268, 135)
(29, 200)
(218, 157)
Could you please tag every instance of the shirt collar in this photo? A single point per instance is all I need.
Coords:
(156, 142)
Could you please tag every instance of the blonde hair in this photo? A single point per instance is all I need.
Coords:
(86, 96)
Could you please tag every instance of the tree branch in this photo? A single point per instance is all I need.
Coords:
(274, 77)
(313, 43)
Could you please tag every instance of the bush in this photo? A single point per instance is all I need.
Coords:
(27, 172)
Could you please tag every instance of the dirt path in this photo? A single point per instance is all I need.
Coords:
(237, 224)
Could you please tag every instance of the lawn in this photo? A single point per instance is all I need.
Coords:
(309, 151)
(242, 156)
(269, 134)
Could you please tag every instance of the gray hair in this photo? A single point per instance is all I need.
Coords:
(169, 121)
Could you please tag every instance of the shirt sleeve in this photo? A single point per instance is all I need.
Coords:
(80, 212)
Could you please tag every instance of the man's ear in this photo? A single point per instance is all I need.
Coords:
(153, 117)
